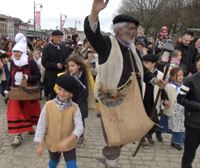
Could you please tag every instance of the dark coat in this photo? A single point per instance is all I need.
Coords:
(189, 97)
(51, 55)
(82, 97)
(102, 45)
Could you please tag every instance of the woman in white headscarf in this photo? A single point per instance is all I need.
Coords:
(20, 38)
(22, 115)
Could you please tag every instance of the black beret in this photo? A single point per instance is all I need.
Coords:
(69, 83)
(57, 33)
(150, 57)
(125, 18)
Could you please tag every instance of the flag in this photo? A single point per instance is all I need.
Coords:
(37, 20)
(62, 21)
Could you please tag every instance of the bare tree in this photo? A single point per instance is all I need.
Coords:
(178, 15)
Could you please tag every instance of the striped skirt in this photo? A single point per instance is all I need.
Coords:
(22, 115)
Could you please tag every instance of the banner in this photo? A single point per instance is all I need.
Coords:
(62, 21)
(37, 20)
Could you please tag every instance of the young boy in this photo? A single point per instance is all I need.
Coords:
(151, 91)
(60, 124)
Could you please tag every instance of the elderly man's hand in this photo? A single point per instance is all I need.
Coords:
(99, 5)
(160, 83)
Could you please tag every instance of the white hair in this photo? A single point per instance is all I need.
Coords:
(117, 26)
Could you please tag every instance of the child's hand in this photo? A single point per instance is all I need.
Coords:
(1, 65)
(166, 103)
(40, 149)
(62, 145)
(66, 142)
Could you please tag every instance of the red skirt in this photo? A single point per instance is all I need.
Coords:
(22, 115)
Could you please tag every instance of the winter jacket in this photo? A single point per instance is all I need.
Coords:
(189, 96)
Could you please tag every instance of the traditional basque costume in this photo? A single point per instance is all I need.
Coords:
(22, 115)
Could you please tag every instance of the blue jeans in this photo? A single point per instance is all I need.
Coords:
(178, 137)
(164, 123)
(69, 156)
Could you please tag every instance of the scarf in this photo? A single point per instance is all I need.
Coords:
(77, 77)
(177, 85)
(22, 61)
(63, 104)
(58, 46)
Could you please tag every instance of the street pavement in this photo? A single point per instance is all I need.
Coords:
(160, 155)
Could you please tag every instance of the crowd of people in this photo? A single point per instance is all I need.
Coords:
(63, 71)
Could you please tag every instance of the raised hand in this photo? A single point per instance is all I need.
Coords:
(99, 5)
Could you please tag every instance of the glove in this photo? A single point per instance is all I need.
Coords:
(18, 78)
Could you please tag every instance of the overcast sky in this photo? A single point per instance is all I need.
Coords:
(50, 14)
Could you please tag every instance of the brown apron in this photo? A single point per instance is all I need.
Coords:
(124, 118)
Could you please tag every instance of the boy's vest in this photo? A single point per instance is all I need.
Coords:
(109, 73)
(60, 125)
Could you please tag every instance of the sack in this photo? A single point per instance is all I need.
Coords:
(123, 115)
(24, 92)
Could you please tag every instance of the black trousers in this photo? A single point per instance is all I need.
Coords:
(52, 93)
(69, 155)
(192, 141)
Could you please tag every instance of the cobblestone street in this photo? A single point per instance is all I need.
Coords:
(161, 155)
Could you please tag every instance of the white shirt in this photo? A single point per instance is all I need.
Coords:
(41, 126)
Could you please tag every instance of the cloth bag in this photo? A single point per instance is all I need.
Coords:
(123, 115)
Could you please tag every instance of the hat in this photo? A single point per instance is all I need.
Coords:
(150, 57)
(164, 28)
(164, 33)
(57, 33)
(19, 47)
(125, 18)
(69, 83)
(19, 37)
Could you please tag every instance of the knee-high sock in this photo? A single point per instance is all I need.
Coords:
(53, 163)
(71, 164)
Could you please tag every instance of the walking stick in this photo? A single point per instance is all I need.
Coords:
(168, 47)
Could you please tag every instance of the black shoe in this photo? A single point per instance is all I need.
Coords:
(176, 146)
(6, 100)
(98, 114)
(3, 94)
(159, 136)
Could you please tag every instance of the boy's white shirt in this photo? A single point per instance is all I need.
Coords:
(41, 126)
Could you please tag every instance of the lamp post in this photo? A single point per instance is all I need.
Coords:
(34, 9)
(77, 22)
(31, 22)
(62, 20)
